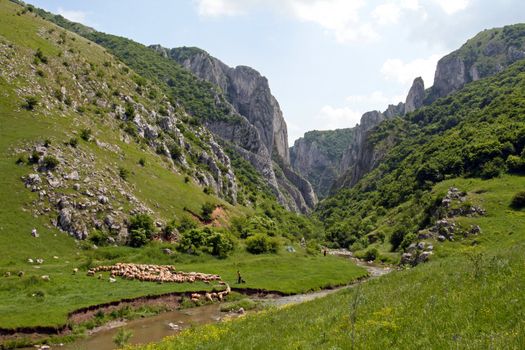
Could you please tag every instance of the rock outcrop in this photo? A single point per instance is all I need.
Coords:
(257, 129)
(486, 54)
(416, 95)
(317, 157)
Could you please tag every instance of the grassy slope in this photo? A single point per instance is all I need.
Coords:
(470, 296)
(154, 184)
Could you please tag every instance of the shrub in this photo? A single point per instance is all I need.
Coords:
(50, 162)
(30, 103)
(129, 110)
(397, 237)
(259, 244)
(186, 224)
(221, 244)
(515, 164)
(85, 134)
(34, 158)
(371, 254)
(142, 162)
(407, 240)
(518, 201)
(73, 142)
(122, 337)
(40, 57)
(123, 173)
(142, 221)
(206, 211)
(99, 238)
(492, 168)
(138, 238)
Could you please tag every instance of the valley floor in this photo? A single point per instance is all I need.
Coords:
(469, 296)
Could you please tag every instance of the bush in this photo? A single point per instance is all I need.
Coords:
(186, 224)
(515, 164)
(50, 162)
(142, 221)
(492, 168)
(142, 162)
(30, 103)
(85, 134)
(123, 173)
(407, 240)
(518, 201)
(397, 237)
(138, 238)
(40, 57)
(206, 211)
(99, 238)
(73, 142)
(221, 244)
(371, 254)
(34, 158)
(259, 244)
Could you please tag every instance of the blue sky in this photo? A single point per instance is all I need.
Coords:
(327, 61)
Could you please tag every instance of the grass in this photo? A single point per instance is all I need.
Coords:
(469, 296)
(65, 292)
(30, 301)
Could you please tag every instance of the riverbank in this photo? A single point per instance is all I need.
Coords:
(281, 274)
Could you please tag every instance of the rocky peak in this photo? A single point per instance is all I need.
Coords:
(247, 90)
(416, 95)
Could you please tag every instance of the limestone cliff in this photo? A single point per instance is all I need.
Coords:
(317, 157)
(416, 95)
(258, 128)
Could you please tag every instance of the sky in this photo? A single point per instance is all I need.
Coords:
(327, 61)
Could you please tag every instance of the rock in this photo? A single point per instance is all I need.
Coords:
(442, 238)
(423, 257)
(112, 280)
(406, 258)
(39, 261)
(30, 261)
(416, 95)
(173, 326)
(421, 245)
(33, 179)
(430, 247)
(34, 233)
(73, 176)
(76, 187)
(45, 277)
(241, 311)
(103, 199)
(167, 251)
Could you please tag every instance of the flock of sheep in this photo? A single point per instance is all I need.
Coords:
(153, 273)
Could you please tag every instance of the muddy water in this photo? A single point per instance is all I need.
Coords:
(146, 330)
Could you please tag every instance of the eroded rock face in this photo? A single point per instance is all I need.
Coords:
(248, 92)
(257, 127)
(317, 157)
(416, 96)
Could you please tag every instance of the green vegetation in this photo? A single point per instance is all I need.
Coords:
(472, 133)
(469, 296)
(518, 201)
(259, 243)
(122, 337)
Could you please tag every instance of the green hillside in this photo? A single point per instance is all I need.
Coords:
(82, 147)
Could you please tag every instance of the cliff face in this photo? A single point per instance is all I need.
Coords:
(258, 129)
(486, 54)
(317, 157)
(416, 95)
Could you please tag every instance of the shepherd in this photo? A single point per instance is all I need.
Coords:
(239, 278)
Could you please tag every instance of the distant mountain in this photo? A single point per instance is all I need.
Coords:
(317, 156)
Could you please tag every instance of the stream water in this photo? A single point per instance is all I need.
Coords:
(151, 329)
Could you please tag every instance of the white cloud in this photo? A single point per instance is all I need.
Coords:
(452, 6)
(387, 13)
(331, 117)
(405, 72)
(337, 118)
(340, 17)
(75, 16)
(216, 8)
